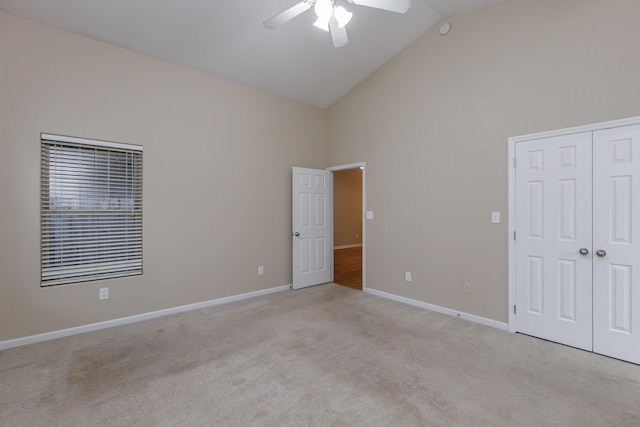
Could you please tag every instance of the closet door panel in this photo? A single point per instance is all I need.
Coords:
(553, 222)
(616, 239)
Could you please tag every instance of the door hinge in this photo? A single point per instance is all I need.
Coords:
(514, 309)
(515, 163)
(514, 234)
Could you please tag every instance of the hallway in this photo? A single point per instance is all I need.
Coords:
(348, 267)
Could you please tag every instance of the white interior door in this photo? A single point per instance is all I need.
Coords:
(554, 239)
(616, 177)
(312, 226)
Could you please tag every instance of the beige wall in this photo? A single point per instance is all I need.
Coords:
(217, 168)
(347, 207)
(432, 125)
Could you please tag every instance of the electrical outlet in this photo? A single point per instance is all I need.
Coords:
(104, 293)
(260, 270)
(467, 287)
(407, 276)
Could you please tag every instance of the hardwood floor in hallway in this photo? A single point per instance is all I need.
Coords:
(348, 267)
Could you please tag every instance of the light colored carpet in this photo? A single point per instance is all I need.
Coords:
(324, 356)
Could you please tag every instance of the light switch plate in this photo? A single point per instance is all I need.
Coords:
(369, 214)
(495, 217)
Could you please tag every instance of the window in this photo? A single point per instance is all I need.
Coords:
(91, 210)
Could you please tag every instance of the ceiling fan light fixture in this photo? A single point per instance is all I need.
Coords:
(322, 23)
(343, 16)
(333, 16)
(323, 9)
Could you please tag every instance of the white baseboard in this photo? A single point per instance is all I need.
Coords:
(437, 308)
(17, 342)
(357, 245)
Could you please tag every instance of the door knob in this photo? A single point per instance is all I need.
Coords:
(584, 251)
(297, 234)
(601, 253)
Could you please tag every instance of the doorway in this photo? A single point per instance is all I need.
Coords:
(348, 225)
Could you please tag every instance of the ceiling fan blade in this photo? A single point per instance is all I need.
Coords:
(400, 6)
(339, 35)
(288, 14)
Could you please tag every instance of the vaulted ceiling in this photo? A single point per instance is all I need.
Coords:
(227, 38)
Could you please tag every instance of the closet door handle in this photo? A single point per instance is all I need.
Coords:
(601, 253)
(584, 251)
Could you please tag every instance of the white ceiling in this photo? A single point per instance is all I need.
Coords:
(227, 39)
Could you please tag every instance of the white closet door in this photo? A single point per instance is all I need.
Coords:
(553, 223)
(616, 177)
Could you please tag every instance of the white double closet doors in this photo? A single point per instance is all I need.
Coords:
(577, 203)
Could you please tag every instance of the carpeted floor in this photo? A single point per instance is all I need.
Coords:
(324, 356)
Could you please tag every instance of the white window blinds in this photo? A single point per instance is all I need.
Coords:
(91, 210)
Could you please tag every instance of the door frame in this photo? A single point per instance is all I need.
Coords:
(511, 150)
(363, 166)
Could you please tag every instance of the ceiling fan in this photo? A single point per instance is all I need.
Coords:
(333, 15)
